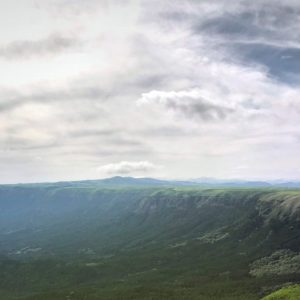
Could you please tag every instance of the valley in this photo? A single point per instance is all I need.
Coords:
(91, 241)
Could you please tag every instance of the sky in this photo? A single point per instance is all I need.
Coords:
(168, 89)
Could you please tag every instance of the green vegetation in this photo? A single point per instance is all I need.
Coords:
(287, 293)
(281, 262)
(90, 242)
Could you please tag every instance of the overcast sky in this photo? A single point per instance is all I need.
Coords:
(169, 89)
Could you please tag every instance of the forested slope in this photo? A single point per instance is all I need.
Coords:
(147, 242)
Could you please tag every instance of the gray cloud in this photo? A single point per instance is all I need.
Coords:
(253, 33)
(51, 45)
(108, 152)
(12, 99)
(191, 104)
(243, 32)
(166, 131)
(84, 88)
(79, 133)
(17, 144)
(112, 136)
(202, 110)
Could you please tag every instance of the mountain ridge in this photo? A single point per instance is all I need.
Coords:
(148, 181)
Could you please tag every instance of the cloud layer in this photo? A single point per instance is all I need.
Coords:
(203, 88)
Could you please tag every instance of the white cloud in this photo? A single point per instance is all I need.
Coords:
(128, 167)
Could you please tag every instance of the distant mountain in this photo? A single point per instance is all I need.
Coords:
(244, 183)
(115, 182)
(230, 183)
(120, 181)
(131, 181)
(292, 184)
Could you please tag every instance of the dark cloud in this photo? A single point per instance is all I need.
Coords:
(190, 104)
(51, 45)
(201, 110)
(253, 33)
(264, 33)
(268, 23)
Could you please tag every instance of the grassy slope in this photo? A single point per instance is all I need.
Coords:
(162, 243)
(287, 293)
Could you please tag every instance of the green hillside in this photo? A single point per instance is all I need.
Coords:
(287, 293)
(91, 242)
